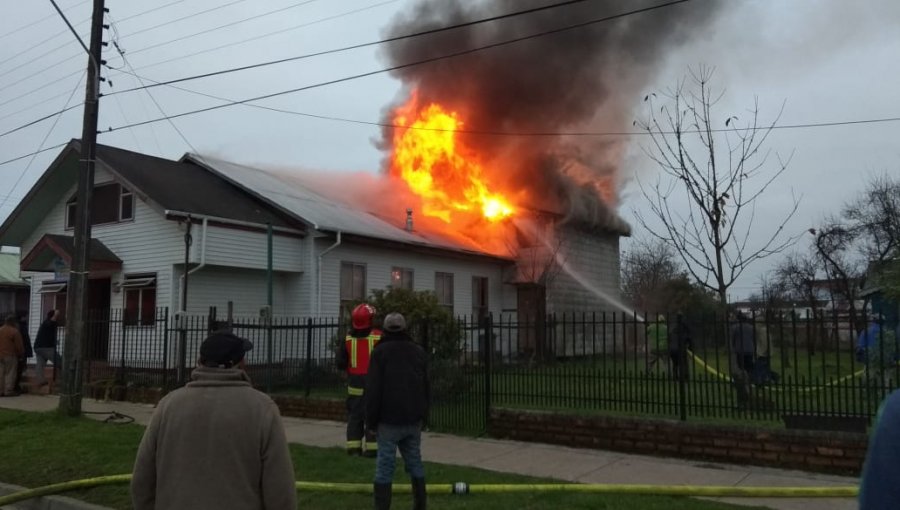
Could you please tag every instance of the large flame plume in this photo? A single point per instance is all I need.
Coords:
(439, 168)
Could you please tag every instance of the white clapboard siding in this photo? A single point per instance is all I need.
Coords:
(379, 261)
(247, 249)
(246, 288)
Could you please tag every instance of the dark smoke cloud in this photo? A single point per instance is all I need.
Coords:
(587, 78)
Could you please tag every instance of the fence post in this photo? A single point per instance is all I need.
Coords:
(682, 379)
(309, 341)
(488, 364)
(122, 329)
(165, 363)
(181, 321)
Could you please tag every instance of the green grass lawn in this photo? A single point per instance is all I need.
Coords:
(41, 448)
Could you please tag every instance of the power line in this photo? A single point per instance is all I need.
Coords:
(49, 83)
(394, 68)
(45, 18)
(170, 22)
(49, 132)
(512, 133)
(269, 34)
(231, 24)
(23, 156)
(33, 105)
(39, 120)
(419, 34)
(148, 11)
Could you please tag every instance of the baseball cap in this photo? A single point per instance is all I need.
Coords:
(394, 322)
(223, 349)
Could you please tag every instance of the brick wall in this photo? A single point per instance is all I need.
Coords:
(317, 409)
(827, 452)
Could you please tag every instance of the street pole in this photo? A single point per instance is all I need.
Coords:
(269, 305)
(75, 341)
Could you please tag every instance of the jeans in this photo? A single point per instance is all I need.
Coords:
(409, 439)
(43, 355)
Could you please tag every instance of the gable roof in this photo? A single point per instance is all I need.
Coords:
(162, 183)
(325, 213)
(54, 246)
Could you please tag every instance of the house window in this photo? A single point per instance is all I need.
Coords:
(111, 203)
(479, 298)
(353, 285)
(53, 297)
(443, 289)
(140, 299)
(402, 278)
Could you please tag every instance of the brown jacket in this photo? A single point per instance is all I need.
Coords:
(216, 443)
(11, 344)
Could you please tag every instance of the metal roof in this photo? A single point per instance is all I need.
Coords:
(9, 271)
(321, 212)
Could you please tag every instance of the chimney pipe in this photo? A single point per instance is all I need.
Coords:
(409, 224)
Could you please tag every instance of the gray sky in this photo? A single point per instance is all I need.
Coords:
(830, 60)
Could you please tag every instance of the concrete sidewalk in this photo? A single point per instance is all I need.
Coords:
(573, 465)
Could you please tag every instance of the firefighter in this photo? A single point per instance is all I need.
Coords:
(354, 358)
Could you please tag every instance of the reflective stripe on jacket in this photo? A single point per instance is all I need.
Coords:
(359, 351)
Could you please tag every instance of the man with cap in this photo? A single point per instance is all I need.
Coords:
(217, 442)
(397, 401)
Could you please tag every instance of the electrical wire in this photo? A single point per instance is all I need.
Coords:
(148, 11)
(420, 34)
(227, 25)
(269, 34)
(513, 133)
(49, 132)
(39, 120)
(394, 68)
(170, 22)
(33, 23)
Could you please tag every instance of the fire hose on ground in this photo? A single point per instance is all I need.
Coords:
(460, 488)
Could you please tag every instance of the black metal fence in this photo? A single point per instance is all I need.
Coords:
(813, 370)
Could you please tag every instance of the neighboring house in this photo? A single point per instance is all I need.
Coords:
(872, 289)
(14, 293)
(326, 254)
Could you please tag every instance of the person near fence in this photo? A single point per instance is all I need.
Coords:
(11, 349)
(353, 356)
(880, 482)
(215, 443)
(743, 351)
(657, 339)
(679, 343)
(26, 344)
(398, 396)
(45, 346)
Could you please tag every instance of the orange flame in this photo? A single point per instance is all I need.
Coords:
(439, 169)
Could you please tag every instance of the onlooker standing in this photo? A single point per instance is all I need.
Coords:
(45, 345)
(880, 484)
(657, 339)
(397, 401)
(743, 349)
(26, 343)
(679, 343)
(11, 349)
(217, 442)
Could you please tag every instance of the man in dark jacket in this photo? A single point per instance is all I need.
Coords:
(743, 350)
(45, 346)
(26, 344)
(679, 343)
(880, 484)
(397, 400)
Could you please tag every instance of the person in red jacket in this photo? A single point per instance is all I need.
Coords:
(353, 356)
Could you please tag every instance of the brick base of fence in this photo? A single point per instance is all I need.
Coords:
(314, 408)
(825, 452)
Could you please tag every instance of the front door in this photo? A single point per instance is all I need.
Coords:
(98, 318)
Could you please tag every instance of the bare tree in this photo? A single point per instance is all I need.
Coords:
(797, 273)
(721, 167)
(866, 232)
(646, 268)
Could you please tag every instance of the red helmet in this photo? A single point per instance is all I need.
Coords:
(362, 315)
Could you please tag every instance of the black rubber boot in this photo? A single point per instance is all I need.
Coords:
(383, 496)
(418, 490)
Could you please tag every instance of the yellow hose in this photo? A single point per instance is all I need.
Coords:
(464, 488)
(698, 360)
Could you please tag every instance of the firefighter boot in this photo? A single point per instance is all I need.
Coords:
(418, 490)
(382, 496)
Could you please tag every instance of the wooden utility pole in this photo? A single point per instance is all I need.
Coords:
(76, 309)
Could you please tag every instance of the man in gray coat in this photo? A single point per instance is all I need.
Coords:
(216, 443)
